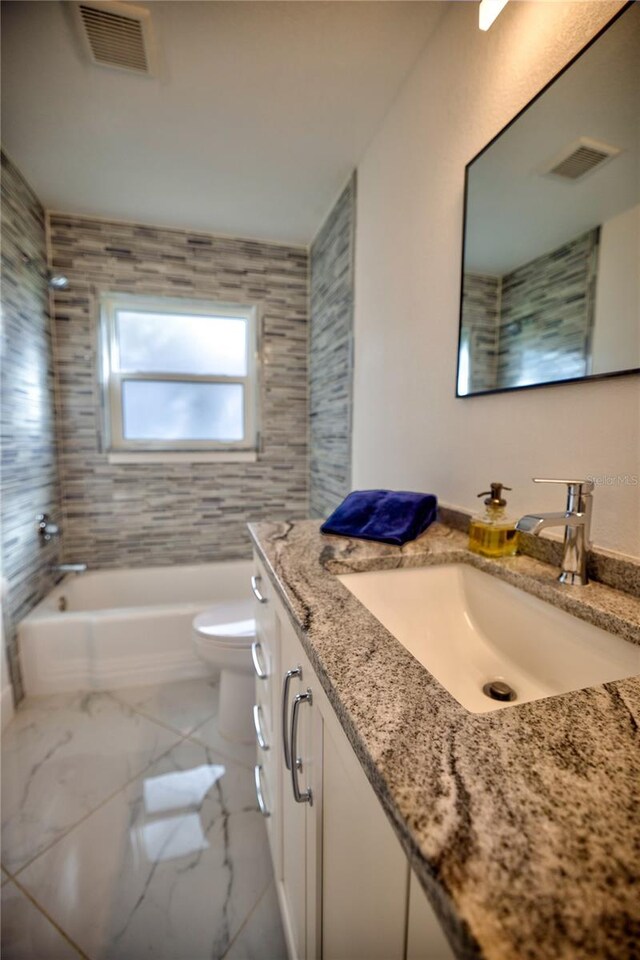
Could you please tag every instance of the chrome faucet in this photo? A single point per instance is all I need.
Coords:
(69, 567)
(576, 520)
(46, 529)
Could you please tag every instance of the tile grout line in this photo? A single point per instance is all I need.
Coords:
(191, 736)
(90, 813)
(248, 917)
(181, 739)
(227, 756)
(219, 753)
(147, 716)
(50, 919)
(25, 891)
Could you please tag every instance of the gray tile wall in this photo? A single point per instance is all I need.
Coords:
(546, 315)
(331, 356)
(29, 474)
(534, 324)
(480, 298)
(162, 513)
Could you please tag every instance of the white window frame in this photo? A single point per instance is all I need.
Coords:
(113, 378)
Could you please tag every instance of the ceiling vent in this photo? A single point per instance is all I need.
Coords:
(580, 158)
(116, 34)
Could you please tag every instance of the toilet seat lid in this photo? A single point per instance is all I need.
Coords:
(230, 623)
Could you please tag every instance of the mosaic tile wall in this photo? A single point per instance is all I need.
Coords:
(544, 313)
(331, 356)
(29, 475)
(480, 326)
(162, 513)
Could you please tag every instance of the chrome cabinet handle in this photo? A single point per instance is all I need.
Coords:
(257, 723)
(255, 580)
(295, 672)
(300, 796)
(257, 775)
(261, 672)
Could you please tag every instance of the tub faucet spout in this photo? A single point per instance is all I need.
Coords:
(576, 520)
(69, 567)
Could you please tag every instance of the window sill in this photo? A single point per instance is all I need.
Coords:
(192, 456)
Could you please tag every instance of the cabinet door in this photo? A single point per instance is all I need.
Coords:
(342, 877)
(364, 870)
(293, 877)
(425, 939)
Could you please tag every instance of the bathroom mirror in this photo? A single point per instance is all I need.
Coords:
(551, 253)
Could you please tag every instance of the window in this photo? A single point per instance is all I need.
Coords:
(179, 375)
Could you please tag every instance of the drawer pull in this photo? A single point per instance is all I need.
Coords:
(260, 669)
(257, 773)
(300, 796)
(257, 722)
(295, 672)
(255, 580)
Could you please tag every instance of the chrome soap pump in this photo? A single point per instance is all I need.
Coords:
(493, 533)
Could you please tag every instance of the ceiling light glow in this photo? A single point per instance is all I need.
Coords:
(489, 10)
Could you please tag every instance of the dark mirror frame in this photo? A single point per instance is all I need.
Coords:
(589, 378)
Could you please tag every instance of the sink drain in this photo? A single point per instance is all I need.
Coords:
(499, 690)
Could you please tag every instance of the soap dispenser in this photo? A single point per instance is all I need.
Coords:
(493, 533)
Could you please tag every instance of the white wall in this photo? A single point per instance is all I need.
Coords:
(616, 333)
(6, 692)
(409, 429)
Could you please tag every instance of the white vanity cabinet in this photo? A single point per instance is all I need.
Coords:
(266, 658)
(364, 869)
(300, 763)
(286, 754)
(344, 884)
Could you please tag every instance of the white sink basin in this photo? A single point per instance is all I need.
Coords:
(469, 629)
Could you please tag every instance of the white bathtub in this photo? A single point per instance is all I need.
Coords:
(123, 628)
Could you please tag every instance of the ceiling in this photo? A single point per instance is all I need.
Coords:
(516, 214)
(258, 115)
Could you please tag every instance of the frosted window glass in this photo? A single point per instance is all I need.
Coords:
(178, 410)
(179, 343)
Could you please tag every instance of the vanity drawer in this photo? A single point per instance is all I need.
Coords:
(263, 611)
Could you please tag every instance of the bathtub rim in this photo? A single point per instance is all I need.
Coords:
(57, 648)
(44, 610)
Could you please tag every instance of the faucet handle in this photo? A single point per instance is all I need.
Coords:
(575, 487)
(46, 529)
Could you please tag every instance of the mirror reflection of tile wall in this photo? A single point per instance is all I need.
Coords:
(536, 322)
(551, 288)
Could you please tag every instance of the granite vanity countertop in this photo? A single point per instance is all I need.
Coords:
(523, 824)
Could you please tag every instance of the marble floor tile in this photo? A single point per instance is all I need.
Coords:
(183, 705)
(209, 735)
(26, 932)
(262, 937)
(61, 757)
(169, 868)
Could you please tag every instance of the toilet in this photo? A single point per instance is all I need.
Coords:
(222, 637)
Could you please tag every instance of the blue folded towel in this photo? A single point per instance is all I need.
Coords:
(386, 515)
